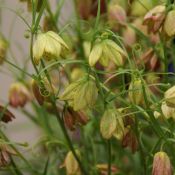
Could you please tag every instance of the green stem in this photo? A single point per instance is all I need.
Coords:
(109, 157)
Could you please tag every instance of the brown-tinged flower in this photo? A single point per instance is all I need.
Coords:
(111, 124)
(169, 96)
(5, 152)
(116, 15)
(5, 115)
(48, 46)
(19, 95)
(169, 26)
(71, 164)
(161, 164)
(81, 94)
(103, 169)
(106, 50)
(154, 18)
(130, 140)
(88, 8)
(36, 92)
(150, 60)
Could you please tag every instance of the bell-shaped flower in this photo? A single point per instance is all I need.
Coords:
(81, 94)
(106, 50)
(49, 46)
(154, 18)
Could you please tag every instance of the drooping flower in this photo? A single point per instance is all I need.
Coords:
(106, 50)
(161, 164)
(169, 26)
(7, 116)
(19, 95)
(170, 97)
(71, 164)
(49, 46)
(112, 124)
(167, 111)
(154, 18)
(81, 94)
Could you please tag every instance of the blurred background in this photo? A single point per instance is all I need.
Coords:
(14, 29)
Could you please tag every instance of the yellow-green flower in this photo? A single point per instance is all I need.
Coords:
(104, 51)
(112, 124)
(49, 46)
(169, 25)
(170, 97)
(81, 94)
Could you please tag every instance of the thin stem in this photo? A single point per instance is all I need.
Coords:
(109, 157)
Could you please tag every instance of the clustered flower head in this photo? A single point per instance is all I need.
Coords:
(81, 94)
(48, 46)
(105, 51)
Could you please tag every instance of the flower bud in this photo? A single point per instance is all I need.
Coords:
(135, 92)
(154, 18)
(19, 95)
(106, 50)
(170, 97)
(169, 26)
(49, 46)
(71, 164)
(7, 116)
(81, 94)
(161, 164)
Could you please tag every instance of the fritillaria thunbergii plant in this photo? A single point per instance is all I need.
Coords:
(98, 85)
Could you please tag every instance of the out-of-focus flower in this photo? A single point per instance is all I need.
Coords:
(167, 111)
(49, 46)
(129, 36)
(103, 169)
(106, 50)
(130, 140)
(169, 26)
(48, 24)
(76, 74)
(71, 164)
(139, 8)
(5, 153)
(88, 8)
(116, 15)
(150, 60)
(7, 116)
(81, 94)
(87, 48)
(161, 164)
(154, 18)
(73, 118)
(3, 49)
(19, 95)
(170, 97)
(112, 124)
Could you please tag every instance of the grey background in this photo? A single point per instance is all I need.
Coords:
(13, 28)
